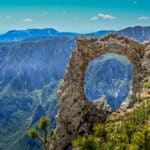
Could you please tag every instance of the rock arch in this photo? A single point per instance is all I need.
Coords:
(76, 115)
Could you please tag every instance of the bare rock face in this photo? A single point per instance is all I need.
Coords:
(77, 115)
(102, 104)
(146, 58)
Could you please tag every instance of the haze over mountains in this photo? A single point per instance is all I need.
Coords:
(30, 72)
(32, 63)
(138, 32)
(18, 35)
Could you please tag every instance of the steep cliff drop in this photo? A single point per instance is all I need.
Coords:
(76, 115)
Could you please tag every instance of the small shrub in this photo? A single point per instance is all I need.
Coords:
(140, 98)
(100, 131)
(132, 147)
(44, 122)
(47, 137)
(86, 143)
(147, 85)
(91, 144)
(138, 139)
(33, 133)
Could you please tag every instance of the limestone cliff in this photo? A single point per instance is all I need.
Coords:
(77, 115)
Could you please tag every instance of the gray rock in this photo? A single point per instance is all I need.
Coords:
(102, 104)
(76, 115)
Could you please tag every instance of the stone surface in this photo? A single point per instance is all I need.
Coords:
(102, 104)
(146, 58)
(76, 115)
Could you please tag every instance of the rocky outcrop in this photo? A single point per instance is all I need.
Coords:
(77, 115)
(102, 104)
(146, 58)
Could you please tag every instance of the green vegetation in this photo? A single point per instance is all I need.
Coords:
(20, 111)
(146, 81)
(48, 136)
(147, 85)
(130, 132)
(88, 142)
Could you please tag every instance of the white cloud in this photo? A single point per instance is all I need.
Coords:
(94, 18)
(103, 16)
(27, 20)
(143, 18)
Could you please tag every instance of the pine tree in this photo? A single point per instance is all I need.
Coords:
(43, 125)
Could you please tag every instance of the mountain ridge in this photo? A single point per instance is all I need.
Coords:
(137, 32)
(18, 35)
(30, 74)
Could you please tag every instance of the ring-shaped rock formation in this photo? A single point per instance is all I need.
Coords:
(76, 115)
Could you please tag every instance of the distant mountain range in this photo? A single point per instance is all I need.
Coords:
(138, 33)
(99, 33)
(33, 64)
(31, 70)
(17, 35)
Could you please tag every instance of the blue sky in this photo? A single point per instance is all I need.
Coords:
(73, 15)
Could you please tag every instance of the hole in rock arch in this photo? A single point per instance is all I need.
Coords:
(109, 75)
